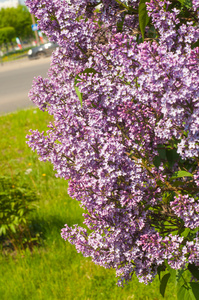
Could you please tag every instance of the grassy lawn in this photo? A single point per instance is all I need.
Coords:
(53, 269)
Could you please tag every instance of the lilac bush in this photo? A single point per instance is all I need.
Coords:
(123, 92)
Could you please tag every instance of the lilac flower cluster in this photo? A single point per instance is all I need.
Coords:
(119, 107)
(187, 209)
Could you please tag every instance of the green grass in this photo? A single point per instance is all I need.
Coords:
(53, 270)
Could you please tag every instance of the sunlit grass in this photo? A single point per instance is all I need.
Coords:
(53, 270)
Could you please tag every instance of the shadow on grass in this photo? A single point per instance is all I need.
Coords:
(38, 230)
(51, 225)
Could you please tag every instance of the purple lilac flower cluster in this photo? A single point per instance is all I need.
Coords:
(187, 209)
(138, 99)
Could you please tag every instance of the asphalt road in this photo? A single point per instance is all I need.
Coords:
(16, 80)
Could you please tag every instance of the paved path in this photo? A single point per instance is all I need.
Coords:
(16, 80)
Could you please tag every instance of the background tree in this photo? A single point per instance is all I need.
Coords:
(19, 18)
(7, 34)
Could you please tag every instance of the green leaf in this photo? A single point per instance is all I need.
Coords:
(194, 270)
(89, 70)
(78, 94)
(152, 32)
(23, 220)
(3, 230)
(120, 25)
(77, 90)
(157, 161)
(176, 183)
(185, 232)
(78, 79)
(122, 4)
(181, 173)
(161, 269)
(187, 3)
(162, 153)
(181, 1)
(12, 227)
(143, 16)
(188, 292)
(21, 212)
(179, 274)
(195, 289)
(194, 45)
(163, 283)
(172, 156)
(171, 271)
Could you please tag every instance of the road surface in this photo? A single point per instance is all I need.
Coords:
(16, 80)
